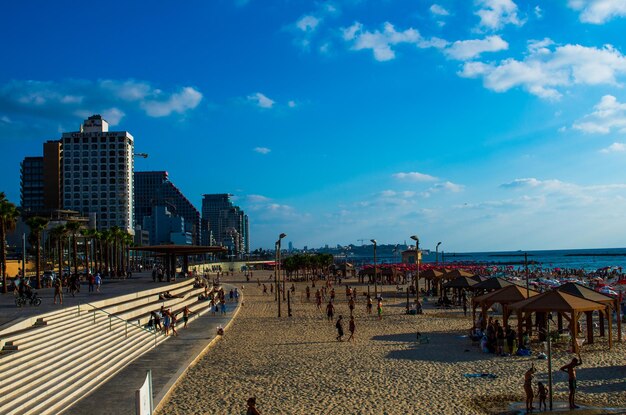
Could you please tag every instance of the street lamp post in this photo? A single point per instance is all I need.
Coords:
(417, 262)
(526, 268)
(375, 270)
(437, 253)
(549, 360)
(277, 270)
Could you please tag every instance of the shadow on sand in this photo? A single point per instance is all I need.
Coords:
(441, 347)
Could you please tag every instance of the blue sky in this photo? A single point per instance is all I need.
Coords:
(486, 124)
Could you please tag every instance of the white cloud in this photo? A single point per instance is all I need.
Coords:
(495, 14)
(545, 70)
(415, 177)
(538, 12)
(261, 100)
(258, 199)
(608, 115)
(614, 148)
(188, 98)
(262, 150)
(60, 102)
(599, 11)
(439, 10)
(448, 186)
(381, 42)
(469, 49)
(308, 23)
(291, 104)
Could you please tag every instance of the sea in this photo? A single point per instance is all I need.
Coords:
(586, 259)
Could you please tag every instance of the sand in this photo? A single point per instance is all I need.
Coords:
(294, 365)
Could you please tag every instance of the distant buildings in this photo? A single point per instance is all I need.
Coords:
(227, 222)
(98, 173)
(166, 228)
(40, 181)
(153, 188)
(90, 174)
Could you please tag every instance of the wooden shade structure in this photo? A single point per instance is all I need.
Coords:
(507, 295)
(460, 283)
(569, 306)
(587, 293)
(457, 273)
(492, 284)
(170, 252)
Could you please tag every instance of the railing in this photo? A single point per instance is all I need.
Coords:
(94, 309)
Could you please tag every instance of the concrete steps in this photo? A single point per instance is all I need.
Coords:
(69, 352)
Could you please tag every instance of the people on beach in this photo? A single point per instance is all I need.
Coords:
(379, 308)
(352, 328)
(369, 304)
(570, 368)
(330, 311)
(528, 387)
(351, 305)
(252, 407)
(542, 393)
(186, 313)
(339, 327)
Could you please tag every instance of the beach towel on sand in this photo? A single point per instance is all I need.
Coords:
(480, 375)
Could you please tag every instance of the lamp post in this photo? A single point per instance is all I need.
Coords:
(277, 270)
(375, 270)
(526, 268)
(417, 262)
(549, 360)
(437, 253)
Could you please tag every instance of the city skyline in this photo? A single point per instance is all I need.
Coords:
(490, 125)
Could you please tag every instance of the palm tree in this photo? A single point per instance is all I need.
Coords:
(37, 224)
(74, 228)
(89, 236)
(105, 239)
(127, 240)
(58, 233)
(8, 219)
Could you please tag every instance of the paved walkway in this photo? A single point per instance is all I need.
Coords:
(110, 288)
(168, 361)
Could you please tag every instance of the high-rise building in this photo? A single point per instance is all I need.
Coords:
(166, 228)
(98, 173)
(153, 188)
(52, 175)
(40, 181)
(31, 185)
(228, 223)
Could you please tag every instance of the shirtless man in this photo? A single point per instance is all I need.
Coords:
(571, 374)
(528, 388)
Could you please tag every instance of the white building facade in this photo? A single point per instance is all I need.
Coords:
(98, 173)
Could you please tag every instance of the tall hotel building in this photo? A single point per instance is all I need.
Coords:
(153, 188)
(40, 181)
(98, 173)
(228, 223)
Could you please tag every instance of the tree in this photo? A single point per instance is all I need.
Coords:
(37, 225)
(58, 234)
(73, 228)
(8, 219)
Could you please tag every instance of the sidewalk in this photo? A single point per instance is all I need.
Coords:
(110, 288)
(168, 362)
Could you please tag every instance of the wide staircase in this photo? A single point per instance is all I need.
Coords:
(50, 361)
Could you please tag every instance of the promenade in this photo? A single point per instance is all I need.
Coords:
(168, 361)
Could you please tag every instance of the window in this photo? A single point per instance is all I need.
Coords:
(103, 160)
(111, 181)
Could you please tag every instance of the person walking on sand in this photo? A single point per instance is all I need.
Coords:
(570, 368)
(379, 308)
(542, 391)
(528, 388)
(252, 407)
(351, 305)
(339, 327)
(369, 304)
(351, 327)
(330, 311)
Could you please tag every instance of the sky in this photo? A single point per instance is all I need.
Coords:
(487, 125)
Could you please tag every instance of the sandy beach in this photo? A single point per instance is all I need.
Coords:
(295, 365)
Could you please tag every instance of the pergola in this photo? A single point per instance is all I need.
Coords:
(432, 277)
(569, 306)
(587, 293)
(492, 284)
(170, 252)
(507, 295)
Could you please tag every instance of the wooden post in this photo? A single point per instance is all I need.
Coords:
(590, 325)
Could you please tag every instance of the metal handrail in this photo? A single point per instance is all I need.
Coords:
(126, 322)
